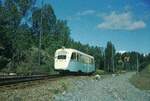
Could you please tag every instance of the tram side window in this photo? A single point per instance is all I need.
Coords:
(83, 59)
(92, 61)
(73, 56)
(78, 57)
(86, 60)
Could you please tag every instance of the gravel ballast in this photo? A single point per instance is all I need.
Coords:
(112, 88)
(79, 88)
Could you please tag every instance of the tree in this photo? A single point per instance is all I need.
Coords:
(109, 54)
(62, 33)
(48, 23)
(43, 25)
(119, 62)
(19, 41)
(12, 13)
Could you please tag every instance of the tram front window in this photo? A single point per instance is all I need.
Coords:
(61, 57)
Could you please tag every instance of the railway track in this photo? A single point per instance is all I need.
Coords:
(8, 80)
(14, 79)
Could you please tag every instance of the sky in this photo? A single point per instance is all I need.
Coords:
(126, 23)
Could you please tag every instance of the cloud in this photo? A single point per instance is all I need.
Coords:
(86, 12)
(122, 21)
(79, 15)
(70, 18)
(121, 51)
(144, 3)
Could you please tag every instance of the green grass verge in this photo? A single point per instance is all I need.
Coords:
(142, 79)
(100, 72)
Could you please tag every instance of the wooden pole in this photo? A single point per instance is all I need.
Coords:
(113, 60)
(40, 37)
(137, 63)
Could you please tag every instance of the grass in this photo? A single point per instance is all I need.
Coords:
(100, 72)
(35, 91)
(142, 80)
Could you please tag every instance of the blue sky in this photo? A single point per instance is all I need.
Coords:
(126, 23)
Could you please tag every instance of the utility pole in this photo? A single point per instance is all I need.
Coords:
(103, 51)
(40, 37)
(113, 60)
(137, 63)
(104, 61)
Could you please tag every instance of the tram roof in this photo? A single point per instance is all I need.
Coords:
(74, 50)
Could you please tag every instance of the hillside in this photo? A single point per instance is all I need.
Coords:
(142, 80)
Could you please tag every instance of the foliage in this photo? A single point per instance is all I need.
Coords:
(141, 80)
(109, 54)
(64, 86)
(100, 72)
(21, 25)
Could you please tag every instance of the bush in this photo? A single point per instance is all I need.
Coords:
(100, 72)
(29, 64)
(24, 69)
(141, 80)
(64, 86)
(3, 62)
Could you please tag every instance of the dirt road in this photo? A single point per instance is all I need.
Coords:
(116, 88)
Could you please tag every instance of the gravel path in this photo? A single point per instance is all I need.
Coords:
(116, 88)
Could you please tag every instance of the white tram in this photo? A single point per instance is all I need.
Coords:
(72, 60)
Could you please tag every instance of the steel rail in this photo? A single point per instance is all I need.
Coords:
(8, 80)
